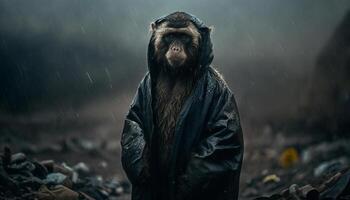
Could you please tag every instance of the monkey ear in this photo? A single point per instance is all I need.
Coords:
(152, 27)
(211, 29)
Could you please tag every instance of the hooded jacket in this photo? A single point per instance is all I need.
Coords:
(207, 152)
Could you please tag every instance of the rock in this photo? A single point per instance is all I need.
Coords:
(81, 168)
(55, 178)
(18, 157)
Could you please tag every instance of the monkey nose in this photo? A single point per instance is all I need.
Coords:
(176, 49)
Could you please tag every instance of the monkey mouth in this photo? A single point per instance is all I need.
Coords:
(176, 60)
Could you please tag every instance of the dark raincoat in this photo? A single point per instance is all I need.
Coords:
(207, 153)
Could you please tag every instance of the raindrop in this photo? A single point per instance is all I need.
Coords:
(89, 77)
(82, 29)
(109, 77)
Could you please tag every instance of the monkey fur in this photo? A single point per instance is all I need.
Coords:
(176, 43)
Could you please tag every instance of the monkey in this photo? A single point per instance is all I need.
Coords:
(182, 137)
(176, 50)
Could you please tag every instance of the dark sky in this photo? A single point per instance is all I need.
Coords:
(285, 29)
(92, 47)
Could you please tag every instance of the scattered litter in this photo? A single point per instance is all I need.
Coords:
(336, 187)
(273, 178)
(289, 157)
(329, 167)
(304, 171)
(23, 178)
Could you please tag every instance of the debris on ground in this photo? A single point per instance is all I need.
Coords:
(271, 178)
(23, 178)
(336, 187)
(299, 169)
(289, 157)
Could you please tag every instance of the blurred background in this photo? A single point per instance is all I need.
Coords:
(69, 69)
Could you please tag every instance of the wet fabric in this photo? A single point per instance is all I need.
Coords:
(207, 152)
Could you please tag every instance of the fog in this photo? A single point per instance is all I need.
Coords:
(71, 52)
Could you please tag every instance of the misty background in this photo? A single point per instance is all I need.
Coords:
(67, 53)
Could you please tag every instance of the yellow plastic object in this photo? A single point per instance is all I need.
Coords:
(289, 157)
(273, 178)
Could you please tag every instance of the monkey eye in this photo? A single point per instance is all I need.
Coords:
(168, 38)
(186, 38)
(176, 36)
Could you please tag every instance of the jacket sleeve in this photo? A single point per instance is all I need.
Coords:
(219, 153)
(134, 148)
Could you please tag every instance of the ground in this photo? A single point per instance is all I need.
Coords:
(91, 134)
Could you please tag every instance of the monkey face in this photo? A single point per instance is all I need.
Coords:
(176, 47)
(177, 44)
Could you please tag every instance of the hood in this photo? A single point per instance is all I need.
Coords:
(205, 47)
